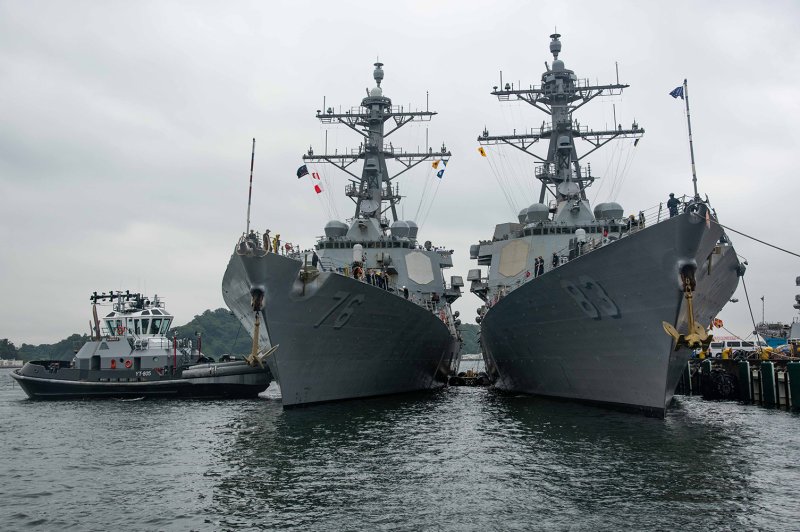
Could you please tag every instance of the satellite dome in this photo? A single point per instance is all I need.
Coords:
(400, 229)
(335, 228)
(538, 212)
(412, 229)
(558, 65)
(608, 211)
(376, 92)
(523, 214)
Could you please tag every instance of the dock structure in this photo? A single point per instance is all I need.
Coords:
(770, 383)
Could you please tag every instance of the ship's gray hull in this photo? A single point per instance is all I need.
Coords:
(591, 329)
(339, 338)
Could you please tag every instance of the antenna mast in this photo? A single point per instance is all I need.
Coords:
(373, 187)
(560, 94)
(691, 146)
(250, 192)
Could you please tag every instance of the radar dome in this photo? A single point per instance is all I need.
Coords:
(608, 211)
(412, 229)
(335, 228)
(400, 229)
(558, 65)
(523, 214)
(376, 92)
(538, 212)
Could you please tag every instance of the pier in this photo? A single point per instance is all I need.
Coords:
(770, 383)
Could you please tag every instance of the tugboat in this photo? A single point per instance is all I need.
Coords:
(130, 355)
(367, 312)
(577, 300)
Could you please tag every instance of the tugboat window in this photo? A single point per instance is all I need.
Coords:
(144, 326)
(165, 326)
(155, 326)
(136, 327)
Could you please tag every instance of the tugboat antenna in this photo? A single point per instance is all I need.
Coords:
(250, 192)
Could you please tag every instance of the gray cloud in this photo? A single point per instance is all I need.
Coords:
(126, 127)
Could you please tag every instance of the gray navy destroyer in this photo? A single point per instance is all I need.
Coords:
(367, 311)
(589, 304)
(131, 355)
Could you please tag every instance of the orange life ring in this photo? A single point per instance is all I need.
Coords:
(128, 364)
(120, 330)
(113, 364)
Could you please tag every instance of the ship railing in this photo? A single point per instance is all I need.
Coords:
(629, 225)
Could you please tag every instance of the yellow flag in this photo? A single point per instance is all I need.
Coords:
(482, 151)
(435, 165)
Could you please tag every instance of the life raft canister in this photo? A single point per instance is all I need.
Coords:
(128, 364)
(113, 363)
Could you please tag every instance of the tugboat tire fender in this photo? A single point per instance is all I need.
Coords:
(128, 364)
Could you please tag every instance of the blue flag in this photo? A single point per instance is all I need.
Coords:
(440, 173)
(678, 91)
(302, 171)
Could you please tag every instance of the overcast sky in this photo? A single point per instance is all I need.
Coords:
(125, 132)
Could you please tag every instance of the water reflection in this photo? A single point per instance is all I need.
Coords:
(468, 458)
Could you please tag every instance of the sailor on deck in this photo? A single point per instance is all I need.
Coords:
(672, 205)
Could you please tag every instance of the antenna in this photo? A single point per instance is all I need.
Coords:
(250, 192)
(691, 145)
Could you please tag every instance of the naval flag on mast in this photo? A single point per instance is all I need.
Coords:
(677, 91)
(440, 173)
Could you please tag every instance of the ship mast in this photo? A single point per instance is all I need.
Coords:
(560, 94)
(374, 186)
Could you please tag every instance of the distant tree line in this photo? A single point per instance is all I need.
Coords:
(469, 338)
(219, 330)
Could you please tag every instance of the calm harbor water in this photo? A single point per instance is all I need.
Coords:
(455, 459)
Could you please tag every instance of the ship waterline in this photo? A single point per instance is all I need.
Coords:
(541, 340)
(331, 349)
(587, 303)
(367, 311)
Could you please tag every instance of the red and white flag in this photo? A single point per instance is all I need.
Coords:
(317, 189)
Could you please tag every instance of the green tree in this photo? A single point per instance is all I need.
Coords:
(469, 338)
(7, 349)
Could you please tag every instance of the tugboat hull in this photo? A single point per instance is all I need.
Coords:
(231, 380)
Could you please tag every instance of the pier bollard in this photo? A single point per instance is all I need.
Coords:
(685, 384)
(705, 377)
(793, 373)
(770, 398)
(745, 387)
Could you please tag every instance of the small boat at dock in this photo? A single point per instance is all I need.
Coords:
(130, 355)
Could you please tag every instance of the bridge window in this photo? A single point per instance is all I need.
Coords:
(155, 325)
(144, 326)
(165, 326)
